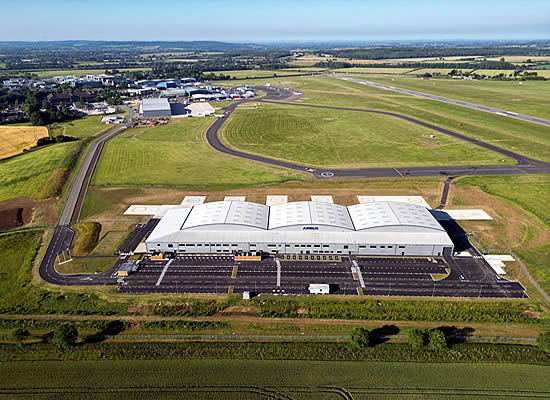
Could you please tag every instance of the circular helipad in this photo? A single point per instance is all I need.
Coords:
(327, 174)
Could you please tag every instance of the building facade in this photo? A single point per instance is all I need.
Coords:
(306, 227)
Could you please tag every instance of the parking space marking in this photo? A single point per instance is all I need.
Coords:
(358, 270)
(278, 272)
(163, 272)
(234, 273)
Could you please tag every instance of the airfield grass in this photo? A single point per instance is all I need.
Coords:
(85, 265)
(345, 139)
(176, 154)
(422, 71)
(87, 236)
(253, 73)
(525, 231)
(530, 98)
(15, 139)
(79, 128)
(367, 70)
(255, 379)
(523, 137)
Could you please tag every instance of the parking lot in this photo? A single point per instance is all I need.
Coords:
(380, 276)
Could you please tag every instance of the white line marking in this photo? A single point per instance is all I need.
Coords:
(163, 272)
(358, 270)
(278, 272)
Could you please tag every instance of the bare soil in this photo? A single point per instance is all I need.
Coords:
(30, 208)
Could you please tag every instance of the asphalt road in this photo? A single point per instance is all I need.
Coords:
(524, 165)
(63, 234)
(450, 101)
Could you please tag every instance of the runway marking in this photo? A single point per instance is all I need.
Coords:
(163, 272)
(234, 273)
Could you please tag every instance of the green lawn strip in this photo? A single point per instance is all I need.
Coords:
(177, 155)
(530, 98)
(85, 265)
(345, 139)
(20, 295)
(80, 128)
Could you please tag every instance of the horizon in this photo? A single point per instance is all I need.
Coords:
(395, 20)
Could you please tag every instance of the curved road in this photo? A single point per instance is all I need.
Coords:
(524, 165)
(63, 234)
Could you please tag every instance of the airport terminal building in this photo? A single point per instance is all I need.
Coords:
(304, 227)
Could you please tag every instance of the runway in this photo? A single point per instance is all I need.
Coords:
(478, 107)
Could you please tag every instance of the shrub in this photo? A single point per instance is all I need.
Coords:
(360, 337)
(416, 338)
(543, 341)
(65, 335)
(19, 334)
(437, 339)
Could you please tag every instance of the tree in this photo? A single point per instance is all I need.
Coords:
(19, 335)
(65, 335)
(416, 338)
(543, 341)
(360, 337)
(437, 339)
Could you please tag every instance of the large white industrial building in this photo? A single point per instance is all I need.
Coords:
(305, 227)
(151, 108)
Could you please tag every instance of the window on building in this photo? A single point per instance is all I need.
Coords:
(345, 246)
(325, 245)
(362, 247)
(401, 247)
(373, 247)
(170, 245)
(317, 245)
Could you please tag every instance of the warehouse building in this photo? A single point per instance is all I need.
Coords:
(151, 108)
(305, 227)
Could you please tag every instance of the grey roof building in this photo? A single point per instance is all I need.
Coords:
(151, 108)
(306, 227)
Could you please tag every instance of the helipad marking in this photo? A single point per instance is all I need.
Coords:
(234, 198)
(327, 174)
(276, 199)
(322, 199)
(419, 200)
(193, 200)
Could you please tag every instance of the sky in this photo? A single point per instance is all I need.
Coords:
(272, 20)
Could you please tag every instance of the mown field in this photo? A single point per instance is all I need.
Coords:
(345, 139)
(80, 128)
(176, 154)
(254, 73)
(15, 139)
(526, 138)
(530, 98)
(367, 70)
(252, 379)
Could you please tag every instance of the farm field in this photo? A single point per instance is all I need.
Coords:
(15, 139)
(253, 73)
(542, 72)
(367, 70)
(345, 139)
(442, 71)
(177, 155)
(493, 72)
(253, 379)
(80, 128)
(530, 98)
(26, 174)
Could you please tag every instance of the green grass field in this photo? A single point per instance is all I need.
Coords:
(442, 71)
(251, 379)
(75, 72)
(254, 73)
(367, 70)
(345, 139)
(530, 98)
(25, 175)
(80, 128)
(177, 155)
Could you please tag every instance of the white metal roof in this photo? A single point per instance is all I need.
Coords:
(228, 212)
(155, 105)
(171, 222)
(371, 215)
(309, 213)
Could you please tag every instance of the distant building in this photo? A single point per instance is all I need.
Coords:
(151, 108)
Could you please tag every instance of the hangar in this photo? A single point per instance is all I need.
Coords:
(151, 108)
(304, 227)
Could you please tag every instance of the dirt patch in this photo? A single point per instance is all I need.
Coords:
(328, 119)
(302, 311)
(11, 218)
(531, 314)
(32, 211)
(240, 310)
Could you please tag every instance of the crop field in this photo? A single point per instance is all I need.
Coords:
(177, 155)
(530, 98)
(253, 73)
(15, 139)
(80, 128)
(493, 72)
(542, 72)
(26, 174)
(345, 139)
(367, 70)
(253, 379)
